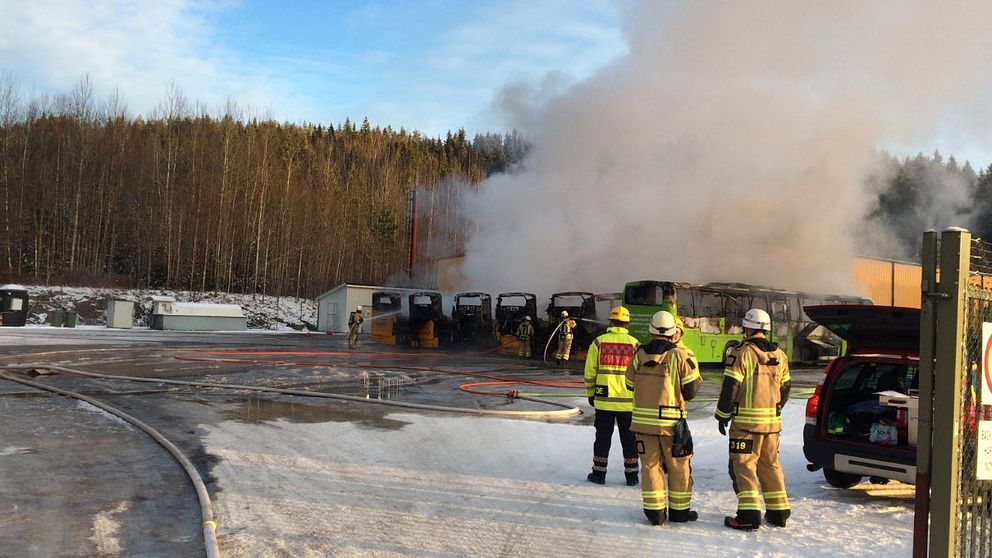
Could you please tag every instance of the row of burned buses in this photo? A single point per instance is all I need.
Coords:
(711, 315)
(419, 319)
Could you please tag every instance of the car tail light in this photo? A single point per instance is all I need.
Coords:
(813, 404)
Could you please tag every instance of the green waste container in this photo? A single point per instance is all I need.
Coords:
(56, 318)
(70, 319)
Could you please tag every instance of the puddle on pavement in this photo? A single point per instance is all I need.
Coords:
(204, 463)
(257, 411)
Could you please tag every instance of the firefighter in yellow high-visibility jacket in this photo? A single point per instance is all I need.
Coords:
(756, 386)
(606, 362)
(663, 376)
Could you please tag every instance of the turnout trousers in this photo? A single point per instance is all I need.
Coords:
(353, 335)
(604, 439)
(523, 348)
(564, 348)
(657, 463)
(754, 466)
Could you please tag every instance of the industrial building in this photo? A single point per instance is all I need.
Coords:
(196, 316)
(335, 305)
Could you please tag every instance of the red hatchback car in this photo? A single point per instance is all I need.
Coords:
(861, 420)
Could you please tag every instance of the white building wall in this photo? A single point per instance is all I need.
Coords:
(334, 306)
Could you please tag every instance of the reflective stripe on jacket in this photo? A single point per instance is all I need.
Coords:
(662, 383)
(756, 385)
(568, 328)
(606, 362)
(525, 330)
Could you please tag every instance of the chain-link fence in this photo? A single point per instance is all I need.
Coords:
(974, 496)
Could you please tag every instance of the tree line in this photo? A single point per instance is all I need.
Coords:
(232, 202)
(185, 199)
(927, 192)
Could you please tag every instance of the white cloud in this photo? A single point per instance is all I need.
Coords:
(461, 59)
(140, 48)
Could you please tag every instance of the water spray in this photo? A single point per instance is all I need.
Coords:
(386, 315)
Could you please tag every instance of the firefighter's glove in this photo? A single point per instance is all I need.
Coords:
(592, 401)
(721, 424)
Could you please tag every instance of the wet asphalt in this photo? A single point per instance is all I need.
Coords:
(79, 482)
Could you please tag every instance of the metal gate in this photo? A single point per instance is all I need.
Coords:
(954, 456)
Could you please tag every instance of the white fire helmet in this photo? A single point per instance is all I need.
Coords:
(662, 323)
(564, 313)
(756, 318)
(526, 318)
(359, 309)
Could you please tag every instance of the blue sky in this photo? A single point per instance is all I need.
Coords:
(430, 65)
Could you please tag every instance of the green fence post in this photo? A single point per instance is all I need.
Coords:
(949, 310)
(928, 330)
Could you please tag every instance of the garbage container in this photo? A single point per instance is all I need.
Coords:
(56, 318)
(13, 305)
(70, 318)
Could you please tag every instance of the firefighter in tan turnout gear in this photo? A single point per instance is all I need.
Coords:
(756, 386)
(355, 327)
(663, 377)
(566, 332)
(525, 333)
(606, 363)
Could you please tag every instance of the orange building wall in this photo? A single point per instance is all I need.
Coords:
(887, 282)
(450, 278)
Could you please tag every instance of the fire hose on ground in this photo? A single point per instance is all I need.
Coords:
(493, 380)
(207, 522)
(565, 410)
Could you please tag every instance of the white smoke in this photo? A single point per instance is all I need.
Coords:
(731, 143)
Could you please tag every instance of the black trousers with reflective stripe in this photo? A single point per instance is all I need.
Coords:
(604, 433)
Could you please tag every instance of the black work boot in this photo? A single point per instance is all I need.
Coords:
(632, 478)
(656, 517)
(745, 521)
(682, 516)
(598, 477)
(777, 517)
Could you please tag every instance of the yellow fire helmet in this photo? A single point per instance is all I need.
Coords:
(620, 314)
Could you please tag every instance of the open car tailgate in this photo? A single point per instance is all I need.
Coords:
(866, 328)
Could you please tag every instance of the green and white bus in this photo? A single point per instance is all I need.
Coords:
(712, 314)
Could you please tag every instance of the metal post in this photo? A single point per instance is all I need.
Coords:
(955, 254)
(928, 329)
(412, 228)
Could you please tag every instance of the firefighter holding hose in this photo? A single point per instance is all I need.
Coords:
(756, 385)
(663, 376)
(355, 327)
(566, 333)
(606, 363)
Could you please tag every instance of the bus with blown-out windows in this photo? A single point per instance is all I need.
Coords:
(711, 316)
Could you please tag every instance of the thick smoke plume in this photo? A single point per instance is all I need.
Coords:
(731, 143)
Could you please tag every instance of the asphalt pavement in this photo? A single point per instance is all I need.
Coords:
(80, 482)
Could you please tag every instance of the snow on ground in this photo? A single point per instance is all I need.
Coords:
(434, 485)
(262, 311)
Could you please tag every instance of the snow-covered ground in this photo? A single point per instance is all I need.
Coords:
(262, 311)
(430, 485)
